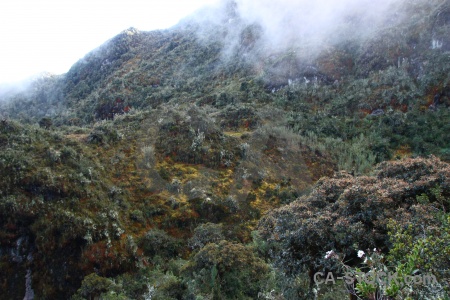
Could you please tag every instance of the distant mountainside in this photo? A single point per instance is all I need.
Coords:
(157, 143)
(202, 61)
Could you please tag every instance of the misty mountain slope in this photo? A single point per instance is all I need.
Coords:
(200, 62)
(145, 170)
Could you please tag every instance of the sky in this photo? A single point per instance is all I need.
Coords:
(51, 35)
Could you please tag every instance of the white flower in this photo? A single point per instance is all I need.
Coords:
(360, 253)
(329, 254)
(374, 249)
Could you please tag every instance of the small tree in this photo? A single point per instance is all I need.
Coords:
(46, 123)
(227, 270)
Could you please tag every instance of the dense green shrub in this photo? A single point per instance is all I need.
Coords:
(226, 270)
(158, 242)
(103, 134)
(206, 233)
(97, 287)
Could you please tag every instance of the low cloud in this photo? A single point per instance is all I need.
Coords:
(290, 23)
(299, 24)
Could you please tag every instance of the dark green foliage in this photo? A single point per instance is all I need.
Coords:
(146, 284)
(158, 242)
(103, 134)
(206, 233)
(239, 117)
(417, 250)
(96, 287)
(227, 271)
(45, 123)
(427, 133)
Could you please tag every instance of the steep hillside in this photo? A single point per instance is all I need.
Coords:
(172, 164)
(386, 84)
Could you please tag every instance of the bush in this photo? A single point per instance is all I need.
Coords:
(103, 134)
(158, 242)
(45, 123)
(226, 271)
(94, 287)
(204, 234)
(347, 213)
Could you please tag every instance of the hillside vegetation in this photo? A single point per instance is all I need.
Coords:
(177, 164)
